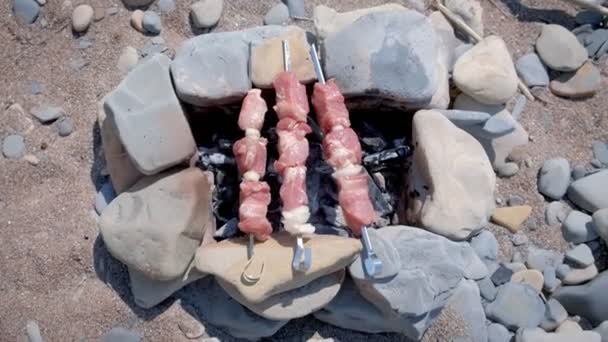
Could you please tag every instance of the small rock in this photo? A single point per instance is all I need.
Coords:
(119, 334)
(562, 271)
(17, 119)
(486, 72)
(485, 246)
(26, 10)
(555, 213)
(498, 333)
(515, 200)
(33, 331)
(519, 239)
(578, 172)
(518, 107)
(296, 8)
(516, 306)
(277, 15)
(128, 59)
(46, 114)
(554, 178)
(99, 13)
(578, 228)
(584, 82)
(84, 44)
(32, 159)
(465, 117)
(596, 163)
(78, 63)
(36, 87)
(551, 282)
(487, 289)
(559, 49)
(82, 17)
(502, 275)
(595, 43)
(589, 17)
(230, 229)
(13, 146)
(498, 126)
(516, 267)
(151, 22)
(112, 10)
(602, 329)
(518, 257)
(137, 19)
(206, 13)
(600, 151)
(105, 195)
(580, 275)
(166, 6)
(589, 192)
(532, 71)
(532, 278)
(580, 256)
(540, 259)
(469, 11)
(65, 127)
(600, 222)
(507, 170)
(511, 217)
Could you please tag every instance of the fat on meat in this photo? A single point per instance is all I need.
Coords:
(341, 148)
(329, 106)
(254, 200)
(250, 155)
(253, 111)
(291, 98)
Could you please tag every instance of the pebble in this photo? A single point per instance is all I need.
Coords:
(485, 246)
(600, 222)
(296, 8)
(559, 49)
(516, 306)
(515, 200)
(580, 275)
(277, 15)
(465, 117)
(595, 42)
(580, 256)
(99, 13)
(119, 334)
(551, 282)
(32, 159)
(507, 170)
(600, 151)
(532, 71)
(228, 230)
(206, 13)
(82, 17)
(166, 6)
(137, 20)
(554, 178)
(589, 192)
(496, 125)
(555, 213)
(578, 228)
(498, 333)
(105, 195)
(555, 314)
(78, 63)
(112, 10)
(26, 10)
(487, 289)
(519, 239)
(511, 217)
(516, 266)
(589, 17)
(46, 114)
(562, 271)
(588, 300)
(128, 59)
(469, 11)
(578, 172)
(584, 82)
(532, 278)
(502, 275)
(151, 22)
(540, 259)
(85, 44)
(65, 127)
(41, 2)
(596, 163)
(33, 331)
(518, 107)
(13, 146)
(36, 87)
(518, 257)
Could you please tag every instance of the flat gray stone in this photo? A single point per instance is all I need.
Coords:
(166, 6)
(588, 17)
(148, 292)
(36, 87)
(206, 13)
(588, 300)
(33, 331)
(296, 8)
(600, 151)
(277, 15)
(532, 71)
(46, 114)
(555, 213)
(105, 195)
(502, 275)
(555, 314)
(559, 49)
(578, 228)
(595, 41)
(600, 222)
(539, 259)
(119, 334)
(150, 121)
(13, 146)
(499, 333)
(151, 22)
(518, 107)
(485, 246)
(487, 289)
(580, 256)
(26, 10)
(386, 252)
(554, 178)
(550, 280)
(465, 117)
(65, 127)
(578, 172)
(203, 60)
(431, 268)
(562, 271)
(372, 56)
(519, 239)
(571, 332)
(496, 125)
(137, 3)
(516, 306)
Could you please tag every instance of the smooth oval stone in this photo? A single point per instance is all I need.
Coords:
(386, 252)
(13, 147)
(559, 49)
(82, 17)
(585, 82)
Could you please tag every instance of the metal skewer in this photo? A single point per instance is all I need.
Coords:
(302, 257)
(371, 262)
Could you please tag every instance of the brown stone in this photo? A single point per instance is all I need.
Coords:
(511, 217)
(533, 278)
(581, 83)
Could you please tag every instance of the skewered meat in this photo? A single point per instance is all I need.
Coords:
(329, 106)
(252, 111)
(293, 189)
(353, 197)
(254, 200)
(250, 154)
(342, 148)
(293, 146)
(291, 97)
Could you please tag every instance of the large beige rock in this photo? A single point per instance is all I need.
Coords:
(123, 172)
(445, 52)
(539, 335)
(451, 183)
(227, 260)
(267, 58)
(328, 21)
(486, 72)
(157, 225)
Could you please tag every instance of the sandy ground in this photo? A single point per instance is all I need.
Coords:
(53, 267)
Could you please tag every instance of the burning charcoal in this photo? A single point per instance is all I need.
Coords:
(229, 230)
(381, 205)
(334, 216)
(400, 142)
(224, 145)
(374, 144)
(324, 229)
(316, 130)
(382, 159)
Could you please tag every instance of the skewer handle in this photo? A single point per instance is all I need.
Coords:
(317, 64)
(286, 56)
